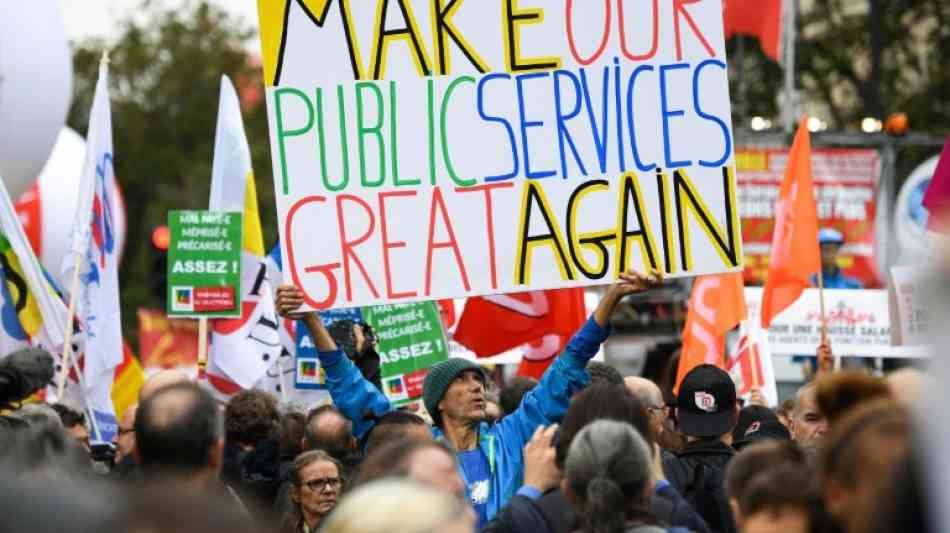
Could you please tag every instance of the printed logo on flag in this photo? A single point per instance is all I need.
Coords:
(395, 388)
(183, 300)
(705, 401)
(309, 374)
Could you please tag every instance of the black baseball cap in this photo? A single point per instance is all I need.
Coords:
(706, 403)
(757, 423)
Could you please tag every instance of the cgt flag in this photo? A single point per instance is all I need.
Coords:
(242, 349)
(95, 252)
(542, 320)
(795, 253)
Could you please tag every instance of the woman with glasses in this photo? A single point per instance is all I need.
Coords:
(316, 488)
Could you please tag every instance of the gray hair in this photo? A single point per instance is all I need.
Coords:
(800, 397)
(395, 506)
(609, 469)
(39, 415)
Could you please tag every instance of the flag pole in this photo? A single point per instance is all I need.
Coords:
(789, 42)
(824, 317)
(70, 317)
(202, 344)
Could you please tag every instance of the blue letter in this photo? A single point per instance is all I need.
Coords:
(668, 114)
(562, 132)
(525, 124)
(633, 132)
(503, 122)
(599, 133)
(722, 125)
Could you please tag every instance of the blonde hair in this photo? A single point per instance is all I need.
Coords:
(394, 506)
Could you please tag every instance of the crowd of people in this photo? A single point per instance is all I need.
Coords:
(584, 449)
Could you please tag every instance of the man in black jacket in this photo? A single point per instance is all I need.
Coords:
(707, 411)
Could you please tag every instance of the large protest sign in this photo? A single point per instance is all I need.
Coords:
(845, 184)
(429, 149)
(409, 340)
(204, 264)
(911, 297)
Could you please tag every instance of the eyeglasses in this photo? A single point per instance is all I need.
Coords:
(316, 485)
(661, 409)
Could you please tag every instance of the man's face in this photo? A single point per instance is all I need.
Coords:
(829, 255)
(124, 439)
(434, 467)
(808, 423)
(465, 398)
(81, 434)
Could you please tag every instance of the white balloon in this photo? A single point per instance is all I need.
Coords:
(58, 190)
(35, 88)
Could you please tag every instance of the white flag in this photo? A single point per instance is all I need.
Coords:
(242, 348)
(94, 244)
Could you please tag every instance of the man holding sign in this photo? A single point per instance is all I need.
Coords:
(490, 456)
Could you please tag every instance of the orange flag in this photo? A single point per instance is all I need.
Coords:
(716, 306)
(795, 254)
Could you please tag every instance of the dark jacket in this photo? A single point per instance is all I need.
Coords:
(698, 473)
(552, 513)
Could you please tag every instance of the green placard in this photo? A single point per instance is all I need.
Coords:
(411, 340)
(204, 264)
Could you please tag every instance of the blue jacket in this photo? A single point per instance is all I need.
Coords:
(502, 442)
(835, 279)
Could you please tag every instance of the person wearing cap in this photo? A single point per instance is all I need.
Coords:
(707, 412)
(490, 456)
(830, 241)
(757, 423)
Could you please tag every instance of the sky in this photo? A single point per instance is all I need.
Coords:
(96, 18)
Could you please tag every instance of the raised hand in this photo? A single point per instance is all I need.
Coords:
(289, 298)
(631, 282)
(540, 470)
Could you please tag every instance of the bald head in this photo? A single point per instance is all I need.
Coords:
(645, 390)
(161, 380)
(328, 430)
(908, 385)
(179, 428)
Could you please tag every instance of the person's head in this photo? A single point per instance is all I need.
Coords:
(250, 417)
(290, 433)
(429, 462)
(838, 393)
(651, 397)
(160, 380)
(830, 241)
(608, 476)
(514, 391)
(455, 389)
(908, 385)
(74, 423)
(785, 412)
(603, 374)
(329, 430)
(39, 415)
(178, 430)
(778, 498)
(601, 402)
(858, 459)
(397, 425)
(42, 452)
(400, 506)
(757, 423)
(754, 460)
(317, 483)
(809, 424)
(124, 439)
(706, 403)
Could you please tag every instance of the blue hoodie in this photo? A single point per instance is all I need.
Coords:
(502, 442)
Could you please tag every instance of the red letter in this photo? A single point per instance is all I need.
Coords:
(568, 21)
(656, 33)
(451, 243)
(346, 247)
(489, 222)
(388, 245)
(326, 270)
(679, 6)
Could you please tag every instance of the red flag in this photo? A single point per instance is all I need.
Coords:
(546, 320)
(795, 254)
(758, 18)
(937, 197)
(716, 306)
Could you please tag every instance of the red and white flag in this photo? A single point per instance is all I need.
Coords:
(751, 364)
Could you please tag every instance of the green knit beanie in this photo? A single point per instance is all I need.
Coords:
(438, 380)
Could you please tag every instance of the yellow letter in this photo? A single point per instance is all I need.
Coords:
(514, 18)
